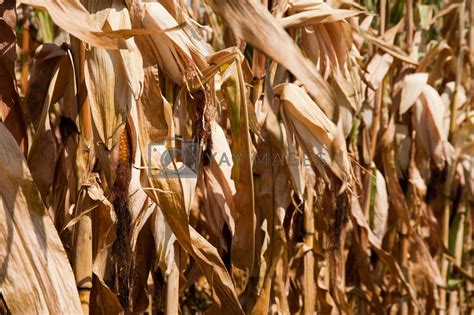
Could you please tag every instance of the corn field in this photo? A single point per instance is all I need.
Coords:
(236, 157)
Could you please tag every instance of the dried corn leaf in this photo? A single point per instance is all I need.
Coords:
(319, 13)
(254, 24)
(376, 71)
(429, 129)
(164, 240)
(113, 79)
(380, 206)
(243, 242)
(84, 25)
(316, 133)
(218, 187)
(177, 54)
(35, 273)
(412, 88)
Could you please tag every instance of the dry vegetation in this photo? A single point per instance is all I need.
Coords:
(336, 145)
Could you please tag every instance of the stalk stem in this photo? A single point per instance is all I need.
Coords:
(309, 293)
(172, 285)
(82, 261)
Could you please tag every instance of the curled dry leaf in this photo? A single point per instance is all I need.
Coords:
(430, 134)
(316, 14)
(177, 54)
(381, 206)
(315, 132)
(414, 84)
(376, 71)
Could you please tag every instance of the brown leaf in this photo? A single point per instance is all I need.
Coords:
(412, 88)
(380, 207)
(430, 132)
(176, 53)
(316, 133)
(43, 153)
(35, 274)
(243, 241)
(113, 79)
(376, 71)
(318, 13)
